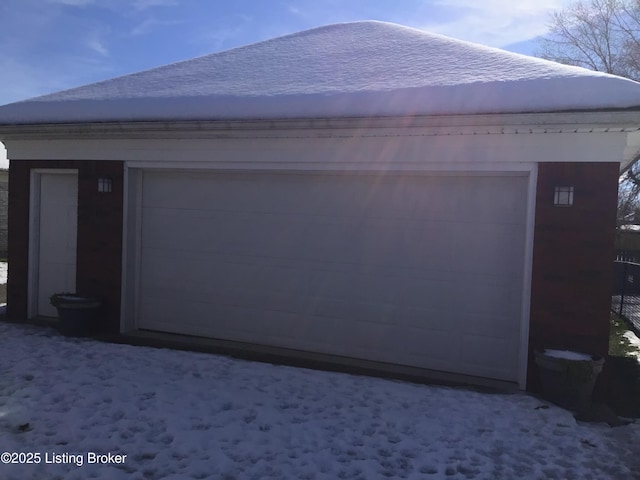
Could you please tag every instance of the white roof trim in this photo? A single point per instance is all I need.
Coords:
(534, 123)
(626, 122)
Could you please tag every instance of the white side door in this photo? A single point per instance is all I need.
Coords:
(54, 237)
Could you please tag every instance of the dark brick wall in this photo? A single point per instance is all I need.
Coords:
(4, 205)
(18, 242)
(573, 260)
(99, 255)
(99, 269)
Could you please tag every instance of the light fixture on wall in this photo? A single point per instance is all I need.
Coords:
(104, 184)
(563, 197)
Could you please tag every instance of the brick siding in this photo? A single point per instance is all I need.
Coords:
(99, 254)
(573, 260)
(4, 209)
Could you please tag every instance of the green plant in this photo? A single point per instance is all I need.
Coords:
(622, 391)
(619, 345)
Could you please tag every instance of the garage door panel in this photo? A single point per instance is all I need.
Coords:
(340, 196)
(479, 325)
(231, 322)
(461, 292)
(190, 232)
(438, 348)
(488, 300)
(232, 297)
(352, 286)
(303, 280)
(475, 206)
(428, 319)
(490, 356)
(330, 335)
(167, 314)
(363, 312)
(390, 244)
(407, 269)
(494, 248)
(189, 273)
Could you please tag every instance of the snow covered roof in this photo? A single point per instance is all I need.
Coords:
(344, 70)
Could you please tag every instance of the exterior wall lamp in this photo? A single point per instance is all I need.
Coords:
(104, 184)
(563, 197)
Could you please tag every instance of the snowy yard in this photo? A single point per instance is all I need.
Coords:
(184, 415)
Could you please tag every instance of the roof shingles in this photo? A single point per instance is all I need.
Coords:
(343, 70)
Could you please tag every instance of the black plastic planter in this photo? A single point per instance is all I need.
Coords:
(568, 378)
(78, 315)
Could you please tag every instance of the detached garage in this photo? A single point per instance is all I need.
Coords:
(334, 191)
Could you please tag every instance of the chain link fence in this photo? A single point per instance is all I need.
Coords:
(626, 292)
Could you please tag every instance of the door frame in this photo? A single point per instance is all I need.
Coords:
(34, 232)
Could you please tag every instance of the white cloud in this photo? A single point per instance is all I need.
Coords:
(73, 3)
(151, 24)
(144, 27)
(144, 4)
(217, 38)
(495, 22)
(97, 46)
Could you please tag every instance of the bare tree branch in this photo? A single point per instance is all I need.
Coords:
(602, 35)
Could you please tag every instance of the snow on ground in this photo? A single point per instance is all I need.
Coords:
(4, 162)
(567, 355)
(342, 70)
(182, 415)
(634, 341)
(4, 267)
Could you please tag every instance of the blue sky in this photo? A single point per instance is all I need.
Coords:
(52, 45)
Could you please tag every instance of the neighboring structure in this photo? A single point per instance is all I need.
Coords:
(4, 210)
(364, 191)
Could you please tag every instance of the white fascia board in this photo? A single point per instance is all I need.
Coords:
(576, 122)
(378, 152)
(631, 151)
(351, 144)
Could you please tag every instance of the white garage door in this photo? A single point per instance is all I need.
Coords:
(414, 270)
